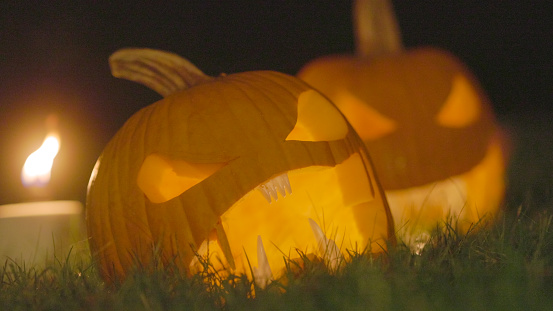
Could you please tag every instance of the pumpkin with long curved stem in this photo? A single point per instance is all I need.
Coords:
(246, 168)
(427, 122)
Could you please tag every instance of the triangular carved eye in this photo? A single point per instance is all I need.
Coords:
(318, 119)
(162, 179)
(367, 121)
(462, 106)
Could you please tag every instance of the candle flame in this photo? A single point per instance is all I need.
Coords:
(38, 167)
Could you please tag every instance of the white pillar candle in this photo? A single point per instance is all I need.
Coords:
(35, 233)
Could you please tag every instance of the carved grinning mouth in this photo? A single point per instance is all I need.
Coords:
(326, 247)
(253, 236)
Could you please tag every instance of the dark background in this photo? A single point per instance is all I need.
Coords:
(53, 58)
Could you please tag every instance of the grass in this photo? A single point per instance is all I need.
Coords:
(508, 266)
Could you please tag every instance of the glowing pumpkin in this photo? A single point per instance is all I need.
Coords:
(252, 164)
(425, 119)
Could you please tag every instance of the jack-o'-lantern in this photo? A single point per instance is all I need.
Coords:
(425, 119)
(251, 167)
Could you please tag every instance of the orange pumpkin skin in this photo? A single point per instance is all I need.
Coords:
(426, 121)
(243, 121)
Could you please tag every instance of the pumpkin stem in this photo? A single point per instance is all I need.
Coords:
(376, 28)
(164, 72)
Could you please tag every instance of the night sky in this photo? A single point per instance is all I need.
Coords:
(53, 59)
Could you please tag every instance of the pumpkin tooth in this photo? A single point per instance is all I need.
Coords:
(224, 244)
(267, 192)
(275, 186)
(327, 247)
(262, 273)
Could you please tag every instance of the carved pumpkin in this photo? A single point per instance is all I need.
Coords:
(425, 119)
(247, 167)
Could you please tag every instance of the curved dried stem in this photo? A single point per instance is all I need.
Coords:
(376, 29)
(163, 72)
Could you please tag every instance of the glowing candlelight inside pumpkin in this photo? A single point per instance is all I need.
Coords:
(38, 167)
